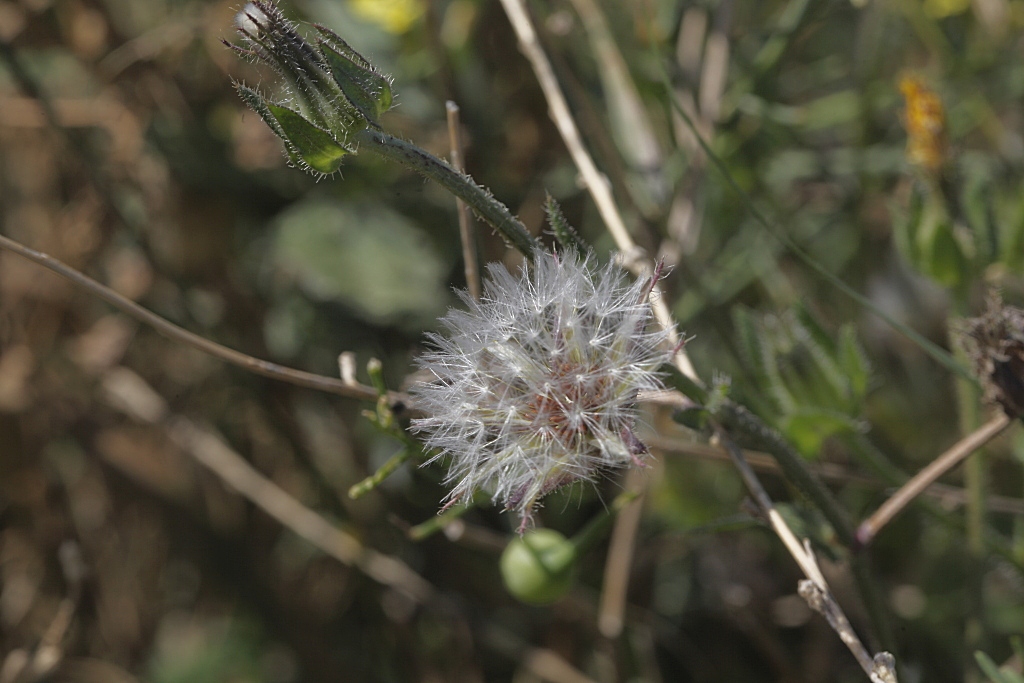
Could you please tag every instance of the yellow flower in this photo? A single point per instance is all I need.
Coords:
(925, 121)
(394, 16)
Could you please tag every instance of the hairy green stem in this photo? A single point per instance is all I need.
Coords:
(740, 420)
(459, 184)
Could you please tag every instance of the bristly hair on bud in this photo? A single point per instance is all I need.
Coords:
(536, 384)
(332, 91)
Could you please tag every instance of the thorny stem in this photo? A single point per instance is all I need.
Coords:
(169, 329)
(942, 464)
(466, 235)
(459, 184)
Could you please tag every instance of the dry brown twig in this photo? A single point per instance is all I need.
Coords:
(342, 387)
(868, 529)
(21, 666)
(947, 496)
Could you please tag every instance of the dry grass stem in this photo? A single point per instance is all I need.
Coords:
(942, 464)
(595, 181)
(466, 234)
(612, 609)
(947, 496)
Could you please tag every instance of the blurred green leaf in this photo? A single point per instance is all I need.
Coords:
(807, 428)
(994, 672)
(367, 256)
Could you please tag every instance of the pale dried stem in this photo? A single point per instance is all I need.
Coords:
(128, 392)
(548, 665)
(172, 331)
(815, 590)
(21, 666)
(466, 235)
(612, 609)
(595, 181)
(923, 479)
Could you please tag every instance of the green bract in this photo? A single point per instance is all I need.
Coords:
(338, 93)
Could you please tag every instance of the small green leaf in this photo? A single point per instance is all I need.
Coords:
(854, 363)
(807, 428)
(941, 255)
(258, 104)
(566, 235)
(308, 145)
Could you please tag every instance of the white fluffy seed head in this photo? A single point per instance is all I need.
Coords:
(535, 386)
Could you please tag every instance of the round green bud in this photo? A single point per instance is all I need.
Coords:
(538, 566)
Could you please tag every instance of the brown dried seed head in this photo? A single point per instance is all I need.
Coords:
(997, 350)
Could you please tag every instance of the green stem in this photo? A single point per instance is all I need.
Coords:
(377, 478)
(974, 483)
(430, 527)
(740, 420)
(459, 184)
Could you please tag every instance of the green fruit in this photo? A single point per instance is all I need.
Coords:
(538, 567)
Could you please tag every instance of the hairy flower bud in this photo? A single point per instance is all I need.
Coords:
(333, 92)
(536, 385)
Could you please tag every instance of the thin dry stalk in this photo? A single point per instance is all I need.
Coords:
(942, 464)
(129, 393)
(612, 609)
(172, 331)
(815, 590)
(466, 235)
(595, 181)
(19, 665)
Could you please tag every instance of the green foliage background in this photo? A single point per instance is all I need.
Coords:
(160, 183)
